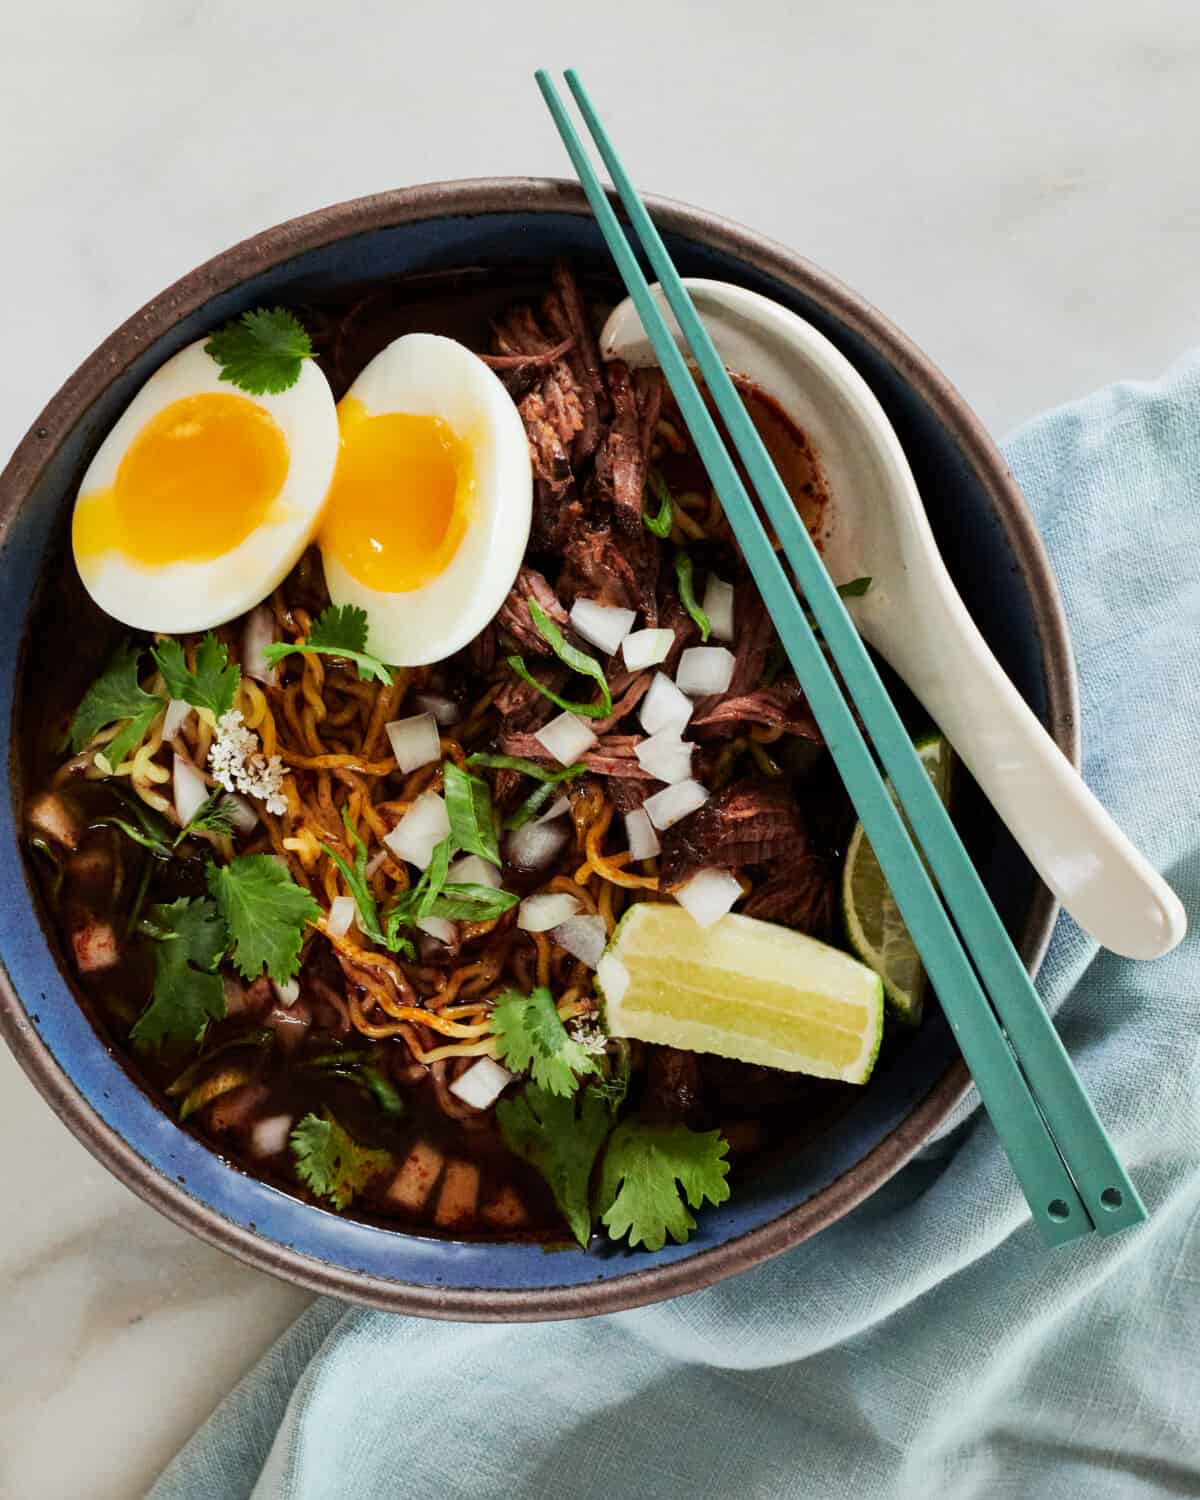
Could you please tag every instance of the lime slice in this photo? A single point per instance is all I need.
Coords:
(742, 988)
(874, 925)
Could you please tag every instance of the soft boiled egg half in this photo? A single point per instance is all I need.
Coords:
(430, 507)
(202, 499)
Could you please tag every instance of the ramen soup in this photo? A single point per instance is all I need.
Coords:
(434, 824)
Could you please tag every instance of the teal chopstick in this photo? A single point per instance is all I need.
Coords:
(1053, 1200)
(1108, 1194)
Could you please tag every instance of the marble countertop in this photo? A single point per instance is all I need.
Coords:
(1012, 184)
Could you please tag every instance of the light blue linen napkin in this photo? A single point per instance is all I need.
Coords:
(927, 1345)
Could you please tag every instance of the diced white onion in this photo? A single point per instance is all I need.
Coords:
(674, 802)
(556, 809)
(376, 862)
(414, 741)
(541, 913)
(535, 845)
(708, 895)
(420, 830)
(602, 625)
(718, 606)
(566, 738)
(190, 789)
(269, 1137)
(704, 670)
(583, 937)
(341, 915)
(482, 1084)
(257, 636)
(646, 648)
(245, 819)
(441, 928)
(472, 870)
(288, 993)
(179, 711)
(664, 706)
(639, 830)
(443, 709)
(665, 756)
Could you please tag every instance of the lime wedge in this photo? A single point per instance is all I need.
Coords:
(874, 926)
(741, 988)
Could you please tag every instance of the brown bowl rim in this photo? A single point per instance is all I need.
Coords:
(477, 196)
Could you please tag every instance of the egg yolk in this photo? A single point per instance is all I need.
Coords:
(195, 481)
(401, 497)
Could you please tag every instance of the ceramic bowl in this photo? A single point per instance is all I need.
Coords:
(993, 552)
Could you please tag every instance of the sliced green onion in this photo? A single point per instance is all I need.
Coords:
(661, 523)
(538, 798)
(578, 661)
(854, 589)
(687, 593)
(526, 767)
(469, 807)
(434, 877)
(471, 903)
(599, 710)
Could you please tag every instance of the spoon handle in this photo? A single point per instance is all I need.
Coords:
(1106, 884)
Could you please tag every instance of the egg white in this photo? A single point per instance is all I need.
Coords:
(424, 374)
(180, 597)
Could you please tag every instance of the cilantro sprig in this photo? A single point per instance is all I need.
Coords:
(116, 697)
(188, 992)
(687, 593)
(262, 351)
(340, 630)
(531, 1037)
(265, 912)
(560, 1138)
(213, 684)
(652, 1173)
(331, 1162)
(216, 814)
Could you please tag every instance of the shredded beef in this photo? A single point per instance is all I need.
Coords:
(749, 823)
(564, 311)
(672, 1093)
(630, 696)
(516, 621)
(522, 706)
(803, 895)
(521, 371)
(782, 706)
(613, 755)
(626, 794)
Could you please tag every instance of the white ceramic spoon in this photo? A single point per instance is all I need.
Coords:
(914, 617)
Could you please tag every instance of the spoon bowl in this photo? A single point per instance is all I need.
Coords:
(915, 618)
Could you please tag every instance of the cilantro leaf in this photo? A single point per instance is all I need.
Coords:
(262, 351)
(265, 911)
(559, 1138)
(214, 815)
(116, 697)
(649, 1170)
(214, 683)
(687, 593)
(330, 1161)
(187, 993)
(469, 808)
(661, 522)
(570, 656)
(530, 1036)
(340, 630)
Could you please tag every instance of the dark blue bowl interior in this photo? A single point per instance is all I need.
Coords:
(977, 552)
